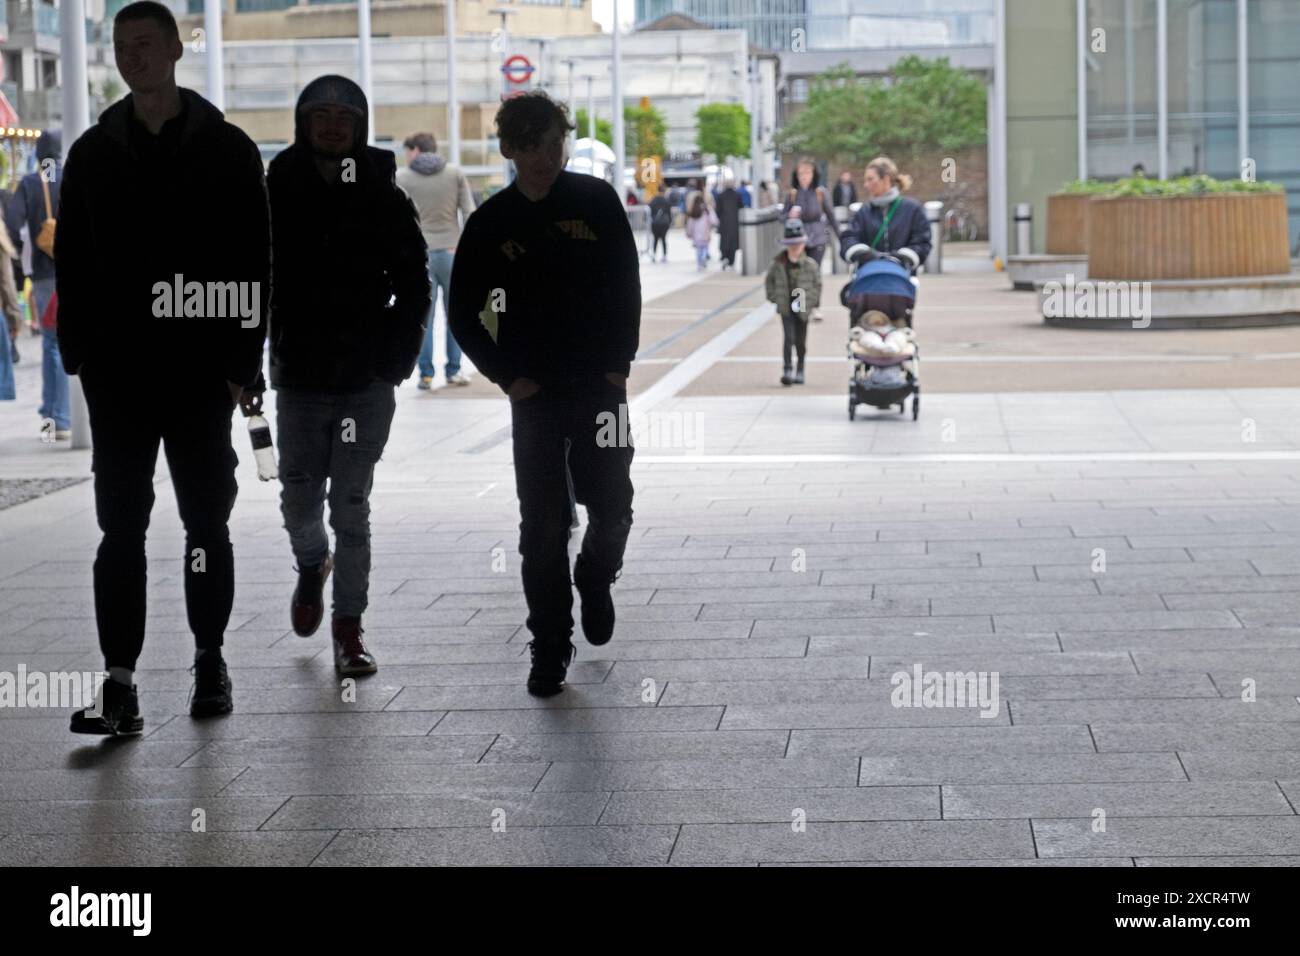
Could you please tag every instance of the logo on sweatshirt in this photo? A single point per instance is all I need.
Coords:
(512, 250)
(576, 229)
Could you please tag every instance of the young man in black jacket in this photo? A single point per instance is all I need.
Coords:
(347, 240)
(546, 299)
(162, 263)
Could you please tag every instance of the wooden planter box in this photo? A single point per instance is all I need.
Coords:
(1140, 238)
(1067, 224)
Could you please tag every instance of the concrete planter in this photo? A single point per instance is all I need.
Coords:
(1141, 238)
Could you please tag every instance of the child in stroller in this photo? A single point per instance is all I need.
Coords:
(882, 345)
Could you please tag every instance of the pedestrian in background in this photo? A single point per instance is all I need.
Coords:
(700, 222)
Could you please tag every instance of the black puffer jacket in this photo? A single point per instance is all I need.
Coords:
(351, 285)
(127, 223)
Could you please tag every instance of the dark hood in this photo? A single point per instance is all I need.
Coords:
(50, 145)
(337, 90)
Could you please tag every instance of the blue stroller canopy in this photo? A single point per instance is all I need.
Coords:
(882, 276)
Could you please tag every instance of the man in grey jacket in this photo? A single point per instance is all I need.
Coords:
(440, 192)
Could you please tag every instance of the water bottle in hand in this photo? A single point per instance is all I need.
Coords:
(260, 434)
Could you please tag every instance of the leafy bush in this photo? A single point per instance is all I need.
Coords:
(1183, 186)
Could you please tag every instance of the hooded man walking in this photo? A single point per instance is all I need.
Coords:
(546, 299)
(159, 361)
(347, 319)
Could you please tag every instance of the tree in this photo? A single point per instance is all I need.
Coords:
(645, 130)
(921, 106)
(604, 128)
(722, 130)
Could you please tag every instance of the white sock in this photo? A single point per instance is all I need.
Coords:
(123, 675)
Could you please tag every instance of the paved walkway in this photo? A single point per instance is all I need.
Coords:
(1126, 561)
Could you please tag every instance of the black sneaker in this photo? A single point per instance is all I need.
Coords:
(116, 712)
(798, 376)
(210, 695)
(597, 604)
(550, 664)
(787, 377)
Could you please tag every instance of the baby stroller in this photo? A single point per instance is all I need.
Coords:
(886, 357)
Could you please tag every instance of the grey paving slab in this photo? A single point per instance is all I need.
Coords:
(518, 846)
(71, 752)
(1149, 711)
(285, 726)
(928, 642)
(1242, 765)
(829, 841)
(874, 713)
(636, 746)
(1225, 861)
(516, 696)
(717, 773)
(391, 778)
(999, 864)
(772, 805)
(1243, 638)
(917, 768)
(1078, 664)
(121, 784)
(1204, 735)
(385, 812)
(1260, 836)
(1226, 658)
(163, 849)
(349, 751)
(1055, 739)
(738, 669)
(1199, 799)
(143, 815)
(580, 720)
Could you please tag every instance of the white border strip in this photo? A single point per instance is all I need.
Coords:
(970, 457)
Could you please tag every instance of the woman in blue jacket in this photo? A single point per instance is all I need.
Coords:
(887, 221)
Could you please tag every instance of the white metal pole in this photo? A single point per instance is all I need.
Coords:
(453, 95)
(616, 107)
(1130, 74)
(1162, 86)
(505, 86)
(998, 135)
(591, 129)
(213, 52)
(76, 120)
(363, 64)
(1081, 80)
(1243, 83)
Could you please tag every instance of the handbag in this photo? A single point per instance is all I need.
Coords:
(45, 238)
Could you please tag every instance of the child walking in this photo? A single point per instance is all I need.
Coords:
(700, 222)
(794, 286)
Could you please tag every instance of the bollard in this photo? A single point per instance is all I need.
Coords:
(934, 215)
(1024, 225)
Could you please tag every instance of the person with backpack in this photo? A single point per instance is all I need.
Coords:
(39, 192)
(351, 298)
(661, 220)
(887, 221)
(546, 299)
(700, 221)
(815, 210)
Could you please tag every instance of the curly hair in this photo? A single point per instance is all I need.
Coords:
(523, 120)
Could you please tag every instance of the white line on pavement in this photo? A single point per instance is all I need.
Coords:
(970, 457)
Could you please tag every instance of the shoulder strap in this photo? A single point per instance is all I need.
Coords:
(885, 225)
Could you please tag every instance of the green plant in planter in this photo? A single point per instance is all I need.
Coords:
(1201, 185)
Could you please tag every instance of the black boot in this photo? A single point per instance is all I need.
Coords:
(597, 604)
(786, 377)
(550, 662)
(210, 696)
(116, 712)
(798, 374)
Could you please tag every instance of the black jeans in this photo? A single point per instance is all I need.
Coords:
(796, 337)
(191, 419)
(660, 239)
(575, 433)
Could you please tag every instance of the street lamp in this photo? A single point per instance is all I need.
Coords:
(504, 12)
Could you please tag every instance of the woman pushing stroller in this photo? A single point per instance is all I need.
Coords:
(887, 222)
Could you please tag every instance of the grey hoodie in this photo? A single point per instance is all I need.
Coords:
(440, 192)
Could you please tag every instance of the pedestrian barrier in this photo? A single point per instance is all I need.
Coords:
(760, 238)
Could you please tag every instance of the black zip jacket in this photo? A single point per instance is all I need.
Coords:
(129, 223)
(549, 290)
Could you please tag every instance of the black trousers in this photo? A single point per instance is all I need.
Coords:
(191, 419)
(796, 338)
(660, 239)
(573, 433)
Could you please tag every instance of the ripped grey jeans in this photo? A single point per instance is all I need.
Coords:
(339, 437)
